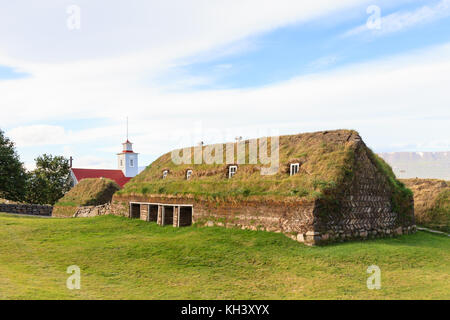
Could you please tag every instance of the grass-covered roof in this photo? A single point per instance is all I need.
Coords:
(325, 159)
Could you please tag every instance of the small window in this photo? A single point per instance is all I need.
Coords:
(121, 162)
(131, 162)
(231, 171)
(294, 168)
(165, 173)
(188, 174)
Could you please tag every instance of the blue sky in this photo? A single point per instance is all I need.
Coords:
(312, 47)
(8, 73)
(213, 70)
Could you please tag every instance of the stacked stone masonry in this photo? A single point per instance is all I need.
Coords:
(365, 209)
(92, 211)
(30, 209)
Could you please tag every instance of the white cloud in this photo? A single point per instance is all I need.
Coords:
(113, 61)
(171, 28)
(37, 135)
(400, 100)
(44, 135)
(226, 66)
(93, 162)
(400, 21)
(323, 62)
(386, 100)
(30, 166)
(68, 151)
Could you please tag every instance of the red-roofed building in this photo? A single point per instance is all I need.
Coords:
(115, 175)
(127, 163)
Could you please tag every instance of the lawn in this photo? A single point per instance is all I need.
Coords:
(122, 258)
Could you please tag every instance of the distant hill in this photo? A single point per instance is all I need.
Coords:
(428, 165)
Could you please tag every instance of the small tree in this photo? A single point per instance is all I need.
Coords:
(12, 172)
(49, 181)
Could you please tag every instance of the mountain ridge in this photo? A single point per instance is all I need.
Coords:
(427, 165)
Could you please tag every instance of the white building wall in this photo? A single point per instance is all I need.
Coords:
(128, 163)
(73, 179)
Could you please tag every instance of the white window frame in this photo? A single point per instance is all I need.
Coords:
(121, 162)
(294, 168)
(188, 174)
(231, 172)
(131, 162)
(165, 174)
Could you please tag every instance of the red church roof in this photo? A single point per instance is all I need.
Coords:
(116, 175)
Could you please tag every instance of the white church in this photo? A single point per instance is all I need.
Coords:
(128, 167)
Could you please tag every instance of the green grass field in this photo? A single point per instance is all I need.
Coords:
(131, 259)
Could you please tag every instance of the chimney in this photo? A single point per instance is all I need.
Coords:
(70, 161)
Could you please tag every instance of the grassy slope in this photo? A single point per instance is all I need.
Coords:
(323, 157)
(89, 192)
(125, 259)
(431, 202)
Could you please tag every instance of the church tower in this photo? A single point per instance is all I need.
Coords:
(128, 160)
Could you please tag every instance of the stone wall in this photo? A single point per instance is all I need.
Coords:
(365, 208)
(120, 208)
(31, 209)
(93, 211)
(288, 217)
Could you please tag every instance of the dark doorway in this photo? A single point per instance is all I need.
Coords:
(153, 212)
(135, 211)
(185, 216)
(168, 216)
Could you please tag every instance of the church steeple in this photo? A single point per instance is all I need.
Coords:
(128, 159)
(127, 146)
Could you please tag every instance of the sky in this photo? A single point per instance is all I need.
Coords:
(185, 71)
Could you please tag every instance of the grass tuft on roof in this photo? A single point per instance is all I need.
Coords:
(327, 160)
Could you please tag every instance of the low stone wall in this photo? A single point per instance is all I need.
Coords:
(93, 211)
(31, 209)
(120, 208)
(341, 236)
(287, 217)
(297, 220)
